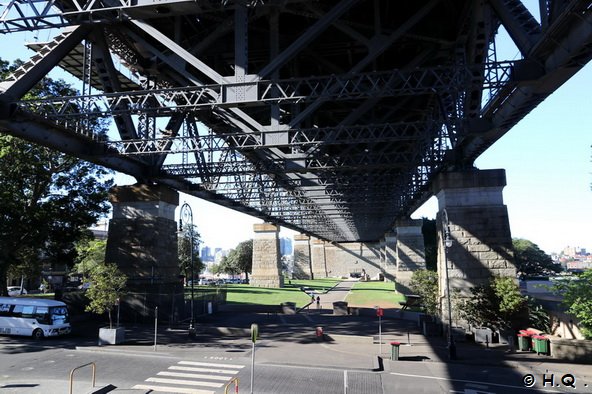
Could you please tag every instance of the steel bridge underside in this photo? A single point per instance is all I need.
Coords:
(327, 117)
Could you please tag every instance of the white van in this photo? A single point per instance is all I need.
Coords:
(35, 317)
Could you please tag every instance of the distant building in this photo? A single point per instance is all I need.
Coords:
(206, 254)
(286, 246)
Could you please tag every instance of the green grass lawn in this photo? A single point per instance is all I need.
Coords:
(370, 294)
(246, 294)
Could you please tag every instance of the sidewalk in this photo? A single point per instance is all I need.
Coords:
(348, 342)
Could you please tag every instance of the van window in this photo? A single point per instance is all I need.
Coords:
(42, 315)
(5, 309)
(23, 311)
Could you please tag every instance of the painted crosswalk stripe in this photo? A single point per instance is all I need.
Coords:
(185, 382)
(210, 370)
(171, 389)
(202, 364)
(193, 375)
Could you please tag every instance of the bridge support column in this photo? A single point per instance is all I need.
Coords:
(142, 241)
(481, 243)
(267, 268)
(390, 256)
(319, 259)
(410, 251)
(302, 266)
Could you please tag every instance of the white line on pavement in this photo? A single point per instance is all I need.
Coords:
(170, 389)
(185, 382)
(211, 370)
(193, 375)
(467, 381)
(211, 364)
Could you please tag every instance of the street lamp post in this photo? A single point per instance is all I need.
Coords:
(448, 244)
(186, 220)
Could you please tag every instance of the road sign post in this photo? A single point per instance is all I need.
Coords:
(379, 313)
(254, 334)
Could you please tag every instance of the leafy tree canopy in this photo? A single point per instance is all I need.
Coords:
(425, 284)
(500, 305)
(107, 284)
(186, 253)
(577, 297)
(47, 199)
(532, 261)
(90, 253)
(239, 259)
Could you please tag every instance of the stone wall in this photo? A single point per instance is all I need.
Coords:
(471, 208)
(302, 266)
(574, 350)
(142, 242)
(353, 257)
(267, 270)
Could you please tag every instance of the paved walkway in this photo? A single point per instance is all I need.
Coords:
(350, 343)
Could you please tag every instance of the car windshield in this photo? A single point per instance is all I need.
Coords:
(59, 315)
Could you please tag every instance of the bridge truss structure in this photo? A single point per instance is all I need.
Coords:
(331, 118)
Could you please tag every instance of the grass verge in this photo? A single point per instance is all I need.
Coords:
(246, 294)
(370, 294)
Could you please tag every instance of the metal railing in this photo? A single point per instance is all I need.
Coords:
(94, 374)
(235, 381)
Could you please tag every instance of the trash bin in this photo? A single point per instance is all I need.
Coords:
(395, 350)
(340, 308)
(523, 342)
(540, 344)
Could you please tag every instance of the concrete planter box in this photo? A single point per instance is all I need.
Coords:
(288, 308)
(483, 335)
(340, 308)
(431, 329)
(577, 350)
(460, 335)
(111, 336)
(507, 337)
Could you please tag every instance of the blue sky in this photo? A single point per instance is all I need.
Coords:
(547, 158)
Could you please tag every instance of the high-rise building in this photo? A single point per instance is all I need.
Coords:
(286, 246)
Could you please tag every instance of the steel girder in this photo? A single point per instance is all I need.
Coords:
(330, 118)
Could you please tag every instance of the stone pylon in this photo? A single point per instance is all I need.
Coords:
(142, 241)
(267, 269)
(410, 251)
(302, 266)
(474, 219)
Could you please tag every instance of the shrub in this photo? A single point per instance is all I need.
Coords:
(425, 284)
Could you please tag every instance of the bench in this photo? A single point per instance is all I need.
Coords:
(410, 300)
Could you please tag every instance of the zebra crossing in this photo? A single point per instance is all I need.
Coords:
(191, 377)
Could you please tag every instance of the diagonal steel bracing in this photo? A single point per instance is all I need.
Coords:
(330, 118)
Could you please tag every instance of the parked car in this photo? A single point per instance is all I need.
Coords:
(14, 291)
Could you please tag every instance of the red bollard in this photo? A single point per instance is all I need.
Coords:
(319, 333)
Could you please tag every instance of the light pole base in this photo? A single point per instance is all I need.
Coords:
(452, 351)
(191, 330)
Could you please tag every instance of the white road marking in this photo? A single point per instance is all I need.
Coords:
(193, 375)
(211, 364)
(185, 382)
(467, 381)
(172, 390)
(211, 370)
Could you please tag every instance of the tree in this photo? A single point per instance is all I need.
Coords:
(497, 304)
(577, 297)
(425, 284)
(532, 261)
(107, 284)
(239, 259)
(90, 253)
(47, 199)
(185, 255)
